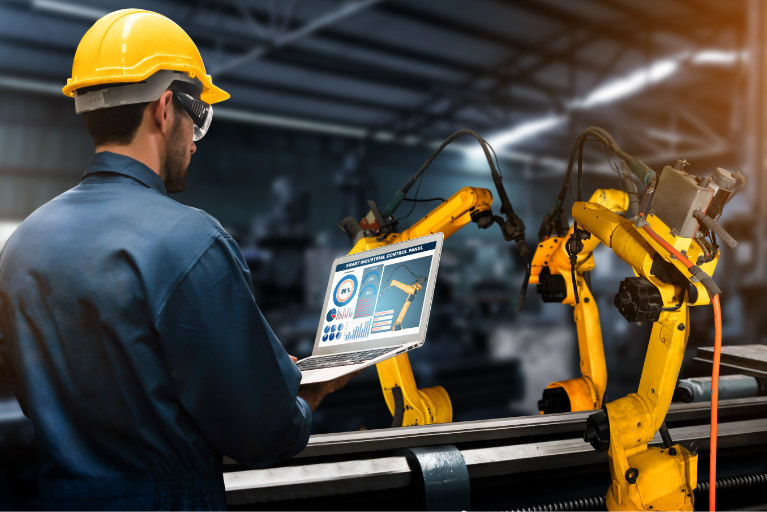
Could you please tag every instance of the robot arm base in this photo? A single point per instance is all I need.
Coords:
(413, 405)
(577, 394)
(657, 479)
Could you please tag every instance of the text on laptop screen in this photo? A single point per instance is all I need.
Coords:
(377, 297)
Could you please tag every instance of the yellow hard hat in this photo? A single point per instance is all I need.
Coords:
(131, 45)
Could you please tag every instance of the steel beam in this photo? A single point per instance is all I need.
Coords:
(280, 40)
(520, 75)
(433, 18)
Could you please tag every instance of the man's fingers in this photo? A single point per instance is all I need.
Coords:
(294, 359)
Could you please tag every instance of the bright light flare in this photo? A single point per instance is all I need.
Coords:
(628, 84)
(718, 57)
(526, 130)
(612, 91)
(517, 134)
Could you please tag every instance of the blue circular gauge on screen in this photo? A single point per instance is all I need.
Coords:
(340, 326)
(331, 336)
(327, 329)
(325, 337)
(373, 277)
(333, 329)
(331, 315)
(368, 291)
(345, 290)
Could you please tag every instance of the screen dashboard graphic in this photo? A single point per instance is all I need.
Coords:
(368, 296)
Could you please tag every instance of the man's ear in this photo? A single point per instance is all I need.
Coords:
(163, 111)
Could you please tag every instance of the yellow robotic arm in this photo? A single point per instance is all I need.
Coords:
(660, 247)
(411, 291)
(643, 477)
(408, 404)
(673, 251)
(427, 405)
(551, 270)
(408, 289)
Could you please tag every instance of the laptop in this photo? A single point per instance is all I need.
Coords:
(377, 306)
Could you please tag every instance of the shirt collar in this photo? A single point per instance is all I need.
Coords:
(108, 162)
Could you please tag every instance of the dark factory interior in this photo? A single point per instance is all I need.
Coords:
(335, 105)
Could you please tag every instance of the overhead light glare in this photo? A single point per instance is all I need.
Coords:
(628, 84)
(718, 57)
(517, 134)
(68, 9)
(525, 130)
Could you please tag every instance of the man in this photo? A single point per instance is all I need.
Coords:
(129, 322)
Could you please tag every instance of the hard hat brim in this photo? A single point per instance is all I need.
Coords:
(210, 93)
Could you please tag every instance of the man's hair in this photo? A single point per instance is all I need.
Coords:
(118, 125)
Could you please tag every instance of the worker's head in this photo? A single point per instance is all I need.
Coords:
(137, 77)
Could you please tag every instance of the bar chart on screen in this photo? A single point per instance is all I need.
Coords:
(359, 332)
(382, 320)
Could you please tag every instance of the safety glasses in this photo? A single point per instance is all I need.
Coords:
(200, 112)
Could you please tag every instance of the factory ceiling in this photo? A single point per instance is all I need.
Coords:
(525, 73)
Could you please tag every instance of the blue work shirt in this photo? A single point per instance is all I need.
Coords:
(137, 349)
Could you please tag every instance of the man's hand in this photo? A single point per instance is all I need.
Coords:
(314, 393)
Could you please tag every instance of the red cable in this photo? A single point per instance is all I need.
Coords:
(715, 372)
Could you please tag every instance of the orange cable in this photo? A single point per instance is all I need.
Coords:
(670, 248)
(714, 401)
(715, 372)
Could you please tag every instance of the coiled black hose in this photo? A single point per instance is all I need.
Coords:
(736, 482)
(598, 502)
(588, 503)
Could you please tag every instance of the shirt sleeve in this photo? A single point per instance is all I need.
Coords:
(7, 376)
(228, 368)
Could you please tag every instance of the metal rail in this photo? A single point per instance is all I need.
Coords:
(550, 425)
(745, 359)
(360, 462)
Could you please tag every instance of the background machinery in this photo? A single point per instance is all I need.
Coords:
(562, 276)
(674, 226)
(408, 404)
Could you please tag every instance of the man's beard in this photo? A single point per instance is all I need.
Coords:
(175, 163)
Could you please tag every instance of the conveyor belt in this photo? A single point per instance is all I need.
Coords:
(375, 462)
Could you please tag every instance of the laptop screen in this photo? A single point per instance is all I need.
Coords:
(380, 297)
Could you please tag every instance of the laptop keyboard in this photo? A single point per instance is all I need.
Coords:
(329, 361)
